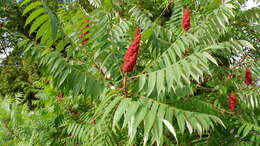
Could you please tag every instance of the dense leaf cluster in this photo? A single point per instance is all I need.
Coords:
(177, 94)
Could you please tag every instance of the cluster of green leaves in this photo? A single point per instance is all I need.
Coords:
(178, 93)
(18, 74)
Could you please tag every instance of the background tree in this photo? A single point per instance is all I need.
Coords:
(18, 73)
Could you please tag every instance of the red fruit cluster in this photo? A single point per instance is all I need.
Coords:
(186, 20)
(85, 33)
(232, 101)
(60, 97)
(132, 52)
(248, 77)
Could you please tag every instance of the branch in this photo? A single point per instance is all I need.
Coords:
(221, 110)
(103, 73)
(10, 130)
(241, 64)
(3, 48)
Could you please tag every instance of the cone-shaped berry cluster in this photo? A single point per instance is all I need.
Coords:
(132, 52)
(248, 77)
(85, 32)
(60, 97)
(186, 19)
(232, 101)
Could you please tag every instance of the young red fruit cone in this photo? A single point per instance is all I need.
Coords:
(186, 19)
(60, 97)
(248, 77)
(232, 101)
(84, 33)
(132, 52)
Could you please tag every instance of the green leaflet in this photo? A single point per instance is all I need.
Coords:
(196, 68)
(56, 65)
(46, 37)
(110, 107)
(247, 129)
(40, 20)
(141, 113)
(181, 120)
(180, 46)
(34, 14)
(32, 6)
(203, 122)
(177, 74)
(190, 129)
(149, 119)
(151, 82)
(241, 129)
(186, 67)
(185, 76)
(160, 116)
(95, 3)
(170, 128)
(141, 82)
(23, 43)
(193, 122)
(169, 77)
(54, 21)
(166, 59)
(177, 50)
(172, 55)
(120, 110)
(64, 76)
(42, 30)
(131, 110)
(24, 2)
(247, 44)
(218, 120)
(54, 28)
(160, 81)
(148, 33)
(210, 57)
(192, 37)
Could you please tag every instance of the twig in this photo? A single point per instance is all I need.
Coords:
(125, 84)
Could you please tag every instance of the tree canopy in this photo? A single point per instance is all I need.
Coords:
(120, 72)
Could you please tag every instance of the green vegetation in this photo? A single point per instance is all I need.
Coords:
(62, 83)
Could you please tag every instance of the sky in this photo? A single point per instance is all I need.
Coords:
(250, 4)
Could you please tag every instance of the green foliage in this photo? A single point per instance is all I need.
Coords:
(177, 94)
